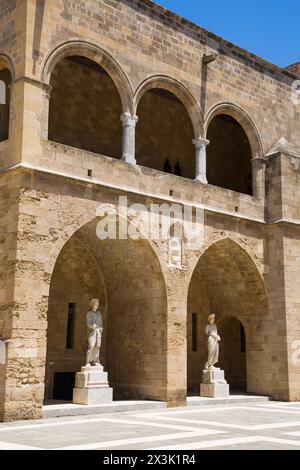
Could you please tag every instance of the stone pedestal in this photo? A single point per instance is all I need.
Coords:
(214, 384)
(91, 387)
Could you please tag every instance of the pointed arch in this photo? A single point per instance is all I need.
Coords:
(135, 323)
(226, 281)
(6, 62)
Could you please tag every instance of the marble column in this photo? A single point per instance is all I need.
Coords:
(258, 177)
(128, 151)
(201, 145)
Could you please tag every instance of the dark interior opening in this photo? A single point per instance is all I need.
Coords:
(164, 134)
(5, 82)
(229, 155)
(63, 384)
(85, 107)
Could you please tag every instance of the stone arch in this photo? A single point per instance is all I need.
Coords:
(169, 118)
(180, 91)
(226, 281)
(100, 57)
(243, 118)
(135, 319)
(6, 62)
(235, 152)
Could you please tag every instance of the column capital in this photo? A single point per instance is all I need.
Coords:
(201, 142)
(129, 119)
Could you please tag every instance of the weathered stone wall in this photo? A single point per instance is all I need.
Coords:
(9, 200)
(142, 331)
(291, 249)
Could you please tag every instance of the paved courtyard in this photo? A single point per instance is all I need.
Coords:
(270, 425)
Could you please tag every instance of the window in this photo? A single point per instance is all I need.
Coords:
(70, 326)
(195, 332)
(243, 339)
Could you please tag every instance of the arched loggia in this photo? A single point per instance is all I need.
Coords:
(226, 282)
(89, 92)
(234, 146)
(126, 276)
(169, 119)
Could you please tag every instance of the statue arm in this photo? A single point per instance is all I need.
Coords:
(209, 333)
(89, 323)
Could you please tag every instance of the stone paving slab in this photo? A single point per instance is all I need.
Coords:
(268, 425)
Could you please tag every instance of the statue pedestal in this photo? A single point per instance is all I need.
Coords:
(91, 387)
(214, 384)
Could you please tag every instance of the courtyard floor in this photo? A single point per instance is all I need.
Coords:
(270, 425)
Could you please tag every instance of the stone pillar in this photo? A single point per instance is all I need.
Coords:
(46, 95)
(128, 151)
(176, 339)
(201, 145)
(29, 120)
(258, 177)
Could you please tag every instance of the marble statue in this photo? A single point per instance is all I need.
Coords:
(94, 331)
(213, 340)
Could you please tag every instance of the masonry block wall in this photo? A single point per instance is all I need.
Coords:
(54, 179)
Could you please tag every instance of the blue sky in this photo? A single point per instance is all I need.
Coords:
(268, 28)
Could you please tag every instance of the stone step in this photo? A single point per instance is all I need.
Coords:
(55, 409)
(231, 400)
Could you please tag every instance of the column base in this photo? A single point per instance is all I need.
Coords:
(201, 179)
(128, 159)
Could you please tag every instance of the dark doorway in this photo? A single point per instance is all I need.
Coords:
(63, 384)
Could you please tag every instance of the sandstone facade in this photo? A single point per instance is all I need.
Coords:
(71, 69)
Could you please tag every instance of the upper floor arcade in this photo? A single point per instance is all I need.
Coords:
(99, 110)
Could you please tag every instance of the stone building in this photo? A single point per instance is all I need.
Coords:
(110, 98)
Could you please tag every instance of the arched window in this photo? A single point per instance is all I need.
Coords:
(229, 155)
(164, 134)
(85, 107)
(5, 82)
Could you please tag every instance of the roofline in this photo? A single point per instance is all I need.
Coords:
(195, 27)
